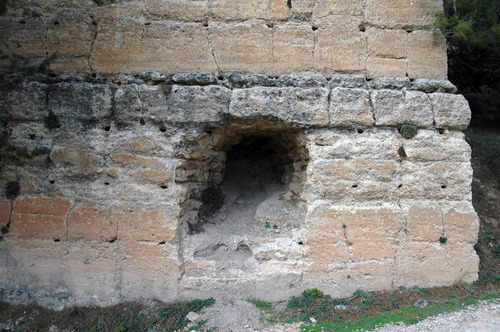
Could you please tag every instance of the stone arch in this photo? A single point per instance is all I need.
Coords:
(244, 205)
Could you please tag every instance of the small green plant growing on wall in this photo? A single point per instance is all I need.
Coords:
(12, 190)
(42, 68)
(443, 240)
(39, 151)
(408, 131)
(51, 121)
(4, 230)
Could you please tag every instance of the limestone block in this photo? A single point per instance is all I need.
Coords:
(304, 107)
(70, 33)
(159, 177)
(29, 134)
(87, 222)
(430, 145)
(350, 107)
(25, 38)
(364, 250)
(424, 264)
(373, 224)
(132, 160)
(125, 44)
(93, 272)
(385, 67)
(148, 270)
(353, 170)
(80, 158)
(394, 108)
(450, 111)
(293, 47)
(82, 101)
(339, 45)
(128, 103)
(436, 180)
(424, 221)
(43, 218)
(338, 7)
(349, 81)
(196, 104)
(391, 83)
(387, 43)
(430, 85)
(181, 10)
(246, 46)
(152, 100)
(4, 212)
(302, 81)
(156, 224)
(461, 223)
(463, 262)
(372, 143)
(398, 13)
(27, 103)
(245, 10)
(194, 78)
(427, 55)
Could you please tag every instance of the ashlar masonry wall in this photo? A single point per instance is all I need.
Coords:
(191, 148)
(112, 211)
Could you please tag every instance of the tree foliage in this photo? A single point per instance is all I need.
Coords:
(472, 29)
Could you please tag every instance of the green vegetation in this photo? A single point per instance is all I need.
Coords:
(408, 131)
(262, 305)
(42, 68)
(174, 314)
(12, 190)
(443, 240)
(39, 151)
(472, 30)
(51, 121)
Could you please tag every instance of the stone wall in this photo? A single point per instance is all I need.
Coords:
(370, 37)
(113, 189)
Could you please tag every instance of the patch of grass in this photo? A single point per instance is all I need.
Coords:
(173, 315)
(443, 240)
(267, 225)
(408, 315)
(262, 305)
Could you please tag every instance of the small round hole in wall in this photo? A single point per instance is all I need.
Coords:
(399, 186)
(163, 129)
(205, 24)
(441, 131)
(300, 243)
(443, 186)
(107, 128)
(52, 181)
(142, 121)
(56, 22)
(220, 78)
(314, 28)
(162, 242)
(360, 131)
(57, 240)
(354, 185)
(163, 186)
(94, 75)
(32, 136)
(106, 183)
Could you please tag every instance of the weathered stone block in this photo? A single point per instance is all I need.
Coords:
(245, 10)
(25, 36)
(87, 222)
(430, 145)
(70, 35)
(339, 45)
(182, 10)
(460, 226)
(128, 103)
(376, 224)
(450, 111)
(330, 171)
(4, 212)
(394, 108)
(253, 53)
(80, 158)
(338, 7)
(427, 55)
(156, 224)
(305, 107)
(384, 66)
(124, 44)
(365, 250)
(425, 222)
(350, 107)
(82, 101)
(27, 102)
(391, 83)
(293, 47)
(387, 43)
(430, 85)
(132, 160)
(400, 14)
(200, 104)
(159, 177)
(40, 218)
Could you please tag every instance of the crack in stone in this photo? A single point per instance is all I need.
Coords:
(94, 30)
(212, 51)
